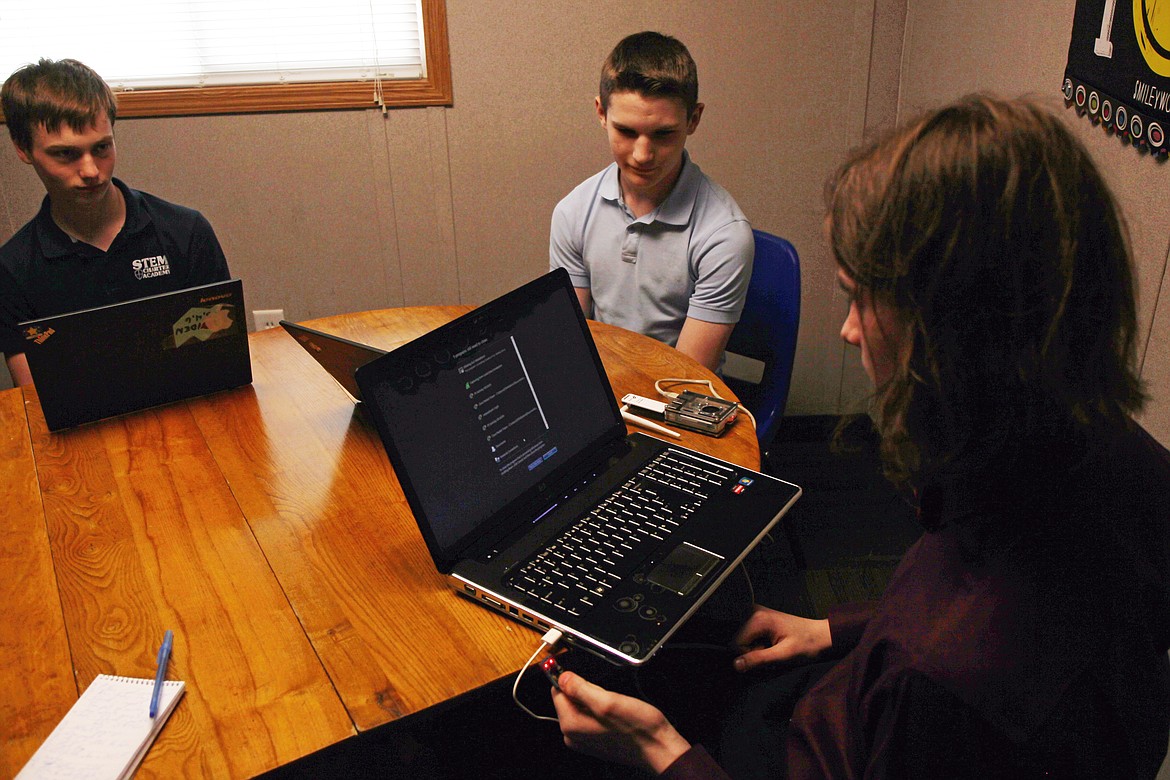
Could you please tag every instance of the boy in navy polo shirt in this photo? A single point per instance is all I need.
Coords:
(651, 243)
(94, 241)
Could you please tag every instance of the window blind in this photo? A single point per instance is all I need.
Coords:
(148, 44)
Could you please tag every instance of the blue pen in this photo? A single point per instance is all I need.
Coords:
(164, 656)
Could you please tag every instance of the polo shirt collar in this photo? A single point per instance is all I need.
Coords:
(56, 243)
(677, 208)
(610, 189)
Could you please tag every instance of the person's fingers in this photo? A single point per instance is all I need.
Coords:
(581, 708)
(754, 659)
(748, 640)
(562, 704)
(583, 693)
(757, 627)
(577, 721)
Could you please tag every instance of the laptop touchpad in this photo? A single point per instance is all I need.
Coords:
(683, 569)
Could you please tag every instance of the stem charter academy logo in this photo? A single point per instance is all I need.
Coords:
(150, 267)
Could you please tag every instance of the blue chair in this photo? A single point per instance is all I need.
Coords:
(767, 333)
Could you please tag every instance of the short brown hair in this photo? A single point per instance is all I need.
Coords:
(50, 93)
(987, 228)
(653, 65)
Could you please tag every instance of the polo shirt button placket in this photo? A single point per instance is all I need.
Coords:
(630, 244)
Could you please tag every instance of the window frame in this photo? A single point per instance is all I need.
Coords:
(435, 89)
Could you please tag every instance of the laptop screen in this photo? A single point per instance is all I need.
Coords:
(478, 416)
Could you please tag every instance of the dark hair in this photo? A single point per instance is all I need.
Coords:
(989, 231)
(51, 92)
(653, 65)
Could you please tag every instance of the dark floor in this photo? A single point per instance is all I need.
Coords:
(847, 531)
(841, 543)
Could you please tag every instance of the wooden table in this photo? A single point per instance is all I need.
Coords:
(266, 527)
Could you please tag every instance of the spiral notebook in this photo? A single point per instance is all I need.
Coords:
(107, 731)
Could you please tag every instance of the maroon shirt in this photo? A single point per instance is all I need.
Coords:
(1026, 637)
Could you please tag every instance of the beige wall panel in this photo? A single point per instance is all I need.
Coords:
(20, 190)
(523, 132)
(417, 203)
(881, 112)
(885, 64)
(292, 198)
(1012, 49)
(384, 209)
(795, 103)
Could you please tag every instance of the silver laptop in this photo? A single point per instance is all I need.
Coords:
(508, 442)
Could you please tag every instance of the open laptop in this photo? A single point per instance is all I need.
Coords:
(505, 435)
(102, 362)
(340, 357)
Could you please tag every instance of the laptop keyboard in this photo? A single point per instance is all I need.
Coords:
(610, 541)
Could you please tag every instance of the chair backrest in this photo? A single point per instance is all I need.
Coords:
(767, 333)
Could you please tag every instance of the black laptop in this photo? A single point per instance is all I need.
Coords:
(506, 437)
(340, 357)
(97, 363)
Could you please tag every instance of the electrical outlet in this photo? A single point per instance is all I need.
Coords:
(267, 318)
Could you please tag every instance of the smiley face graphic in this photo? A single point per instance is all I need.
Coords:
(1151, 24)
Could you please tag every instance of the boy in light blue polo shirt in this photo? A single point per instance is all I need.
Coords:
(651, 243)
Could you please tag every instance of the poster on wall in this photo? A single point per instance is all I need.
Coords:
(1118, 71)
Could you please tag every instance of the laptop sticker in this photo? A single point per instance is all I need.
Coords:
(202, 324)
(37, 334)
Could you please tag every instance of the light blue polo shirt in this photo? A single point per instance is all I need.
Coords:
(690, 257)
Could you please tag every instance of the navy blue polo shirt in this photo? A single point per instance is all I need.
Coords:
(161, 247)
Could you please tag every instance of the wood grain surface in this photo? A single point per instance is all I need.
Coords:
(147, 536)
(36, 679)
(266, 527)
